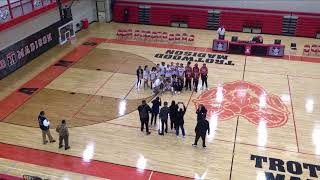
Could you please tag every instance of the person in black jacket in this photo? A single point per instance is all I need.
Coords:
(201, 131)
(164, 112)
(180, 120)
(44, 125)
(144, 110)
(201, 112)
(155, 110)
(139, 73)
(173, 114)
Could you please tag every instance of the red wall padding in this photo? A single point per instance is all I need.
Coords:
(308, 26)
(234, 21)
(164, 16)
(118, 13)
(269, 22)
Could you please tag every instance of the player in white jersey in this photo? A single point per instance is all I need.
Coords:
(146, 74)
(153, 76)
(181, 72)
(168, 73)
(172, 69)
(176, 68)
(162, 69)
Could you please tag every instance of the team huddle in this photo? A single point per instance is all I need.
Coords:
(172, 78)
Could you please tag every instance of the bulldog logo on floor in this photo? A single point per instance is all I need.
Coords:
(245, 99)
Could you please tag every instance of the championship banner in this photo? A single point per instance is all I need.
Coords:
(22, 52)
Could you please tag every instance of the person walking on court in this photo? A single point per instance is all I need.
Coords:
(201, 131)
(144, 110)
(155, 110)
(44, 125)
(180, 120)
(164, 112)
(63, 131)
(173, 114)
(204, 75)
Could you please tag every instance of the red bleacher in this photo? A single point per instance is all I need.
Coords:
(308, 26)
(234, 19)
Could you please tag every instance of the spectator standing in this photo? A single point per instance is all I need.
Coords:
(44, 125)
(180, 120)
(144, 110)
(164, 112)
(173, 114)
(221, 32)
(63, 131)
(156, 103)
(201, 130)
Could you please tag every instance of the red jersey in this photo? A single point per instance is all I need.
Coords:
(204, 71)
(188, 72)
(196, 72)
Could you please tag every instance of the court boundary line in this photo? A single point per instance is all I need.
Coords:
(76, 157)
(294, 121)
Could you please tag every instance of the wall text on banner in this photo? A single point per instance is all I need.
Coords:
(198, 57)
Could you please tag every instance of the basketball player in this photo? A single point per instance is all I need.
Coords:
(188, 75)
(153, 76)
(139, 73)
(196, 76)
(162, 69)
(181, 73)
(168, 73)
(173, 69)
(204, 75)
(177, 69)
(146, 74)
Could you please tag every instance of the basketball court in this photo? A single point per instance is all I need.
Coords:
(263, 112)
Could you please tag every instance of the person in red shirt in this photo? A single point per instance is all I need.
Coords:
(196, 76)
(204, 75)
(188, 75)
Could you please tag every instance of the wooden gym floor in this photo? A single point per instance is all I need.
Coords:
(259, 108)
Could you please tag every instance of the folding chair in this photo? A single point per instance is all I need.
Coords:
(177, 38)
(154, 36)
(159, 36)
(136, 34)
(306, 49)
(191, 39)
(314, 49)
(119, 34)
(184, 37)
(129, 34)
(164, 36)
(171, 38)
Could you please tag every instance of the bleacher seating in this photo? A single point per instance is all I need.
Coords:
(270, 22)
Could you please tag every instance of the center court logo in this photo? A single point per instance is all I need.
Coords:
(245, 99)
